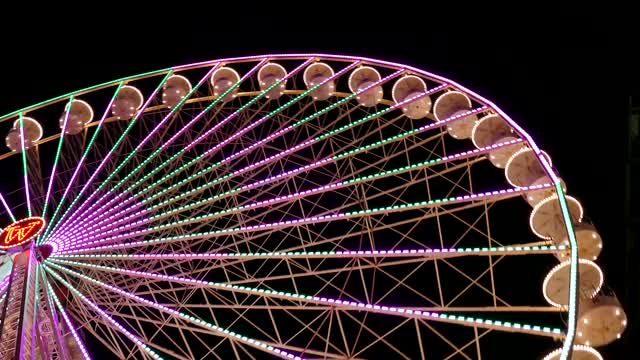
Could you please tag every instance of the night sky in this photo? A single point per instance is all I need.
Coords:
(563, 77)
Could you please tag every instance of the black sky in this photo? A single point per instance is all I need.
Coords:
(565, 76)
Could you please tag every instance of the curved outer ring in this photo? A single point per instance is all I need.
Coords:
(573, 299)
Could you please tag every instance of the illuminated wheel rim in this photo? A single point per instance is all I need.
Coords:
(200, 216)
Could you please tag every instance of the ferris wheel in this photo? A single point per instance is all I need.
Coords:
(298, 206)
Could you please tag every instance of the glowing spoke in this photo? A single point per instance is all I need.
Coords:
(211, 130)
(82, 160)
(89, 230)
(303, 168)
(347, 254)
(136, 340)
(57, 157)
(191, 319)
(24, 164)
(7, 208)
(166, 144)
(342, 304)
(67, 320)
(113, 148)
(505, 193)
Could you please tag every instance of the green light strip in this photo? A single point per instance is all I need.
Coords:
(228, 175)
(313, 219)
(113, 148)
(84, 155)
(57, 157)
(341, 184)
(199, 157)
(81, 91)
(335, 157)
(567, 347)
(24, 164)
(354, 181)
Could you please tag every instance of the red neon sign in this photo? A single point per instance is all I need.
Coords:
(21, 232)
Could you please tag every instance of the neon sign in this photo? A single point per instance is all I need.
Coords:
(21, 232)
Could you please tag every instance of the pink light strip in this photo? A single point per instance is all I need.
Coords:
(307, 143)
(89, 231)
(193, 320)
(314, 219)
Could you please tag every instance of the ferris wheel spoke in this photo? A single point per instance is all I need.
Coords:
(107, 229)
(208, 132)
(333, 186)
(78, 221)
(348, 182)
(306, 167)
(196, 238)
(57, 156)
(251, 126)
(67, 320)
(7, 208)
(108, 155)
(498, 194)
(24, 163)
(342, 304)
(114, 324)
(105, 212)
(82, 160)
(191, 319)
(176, 136)
(439, 253)
(305, 144)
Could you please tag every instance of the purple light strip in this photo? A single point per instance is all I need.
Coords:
(91, 230)
(81, 161)
(193, 320)
(7, 208)
(106, 316)
(138, 223)
(346, 254)
(344, 304)
(237, 134)
(70, 326)
(309, 220)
